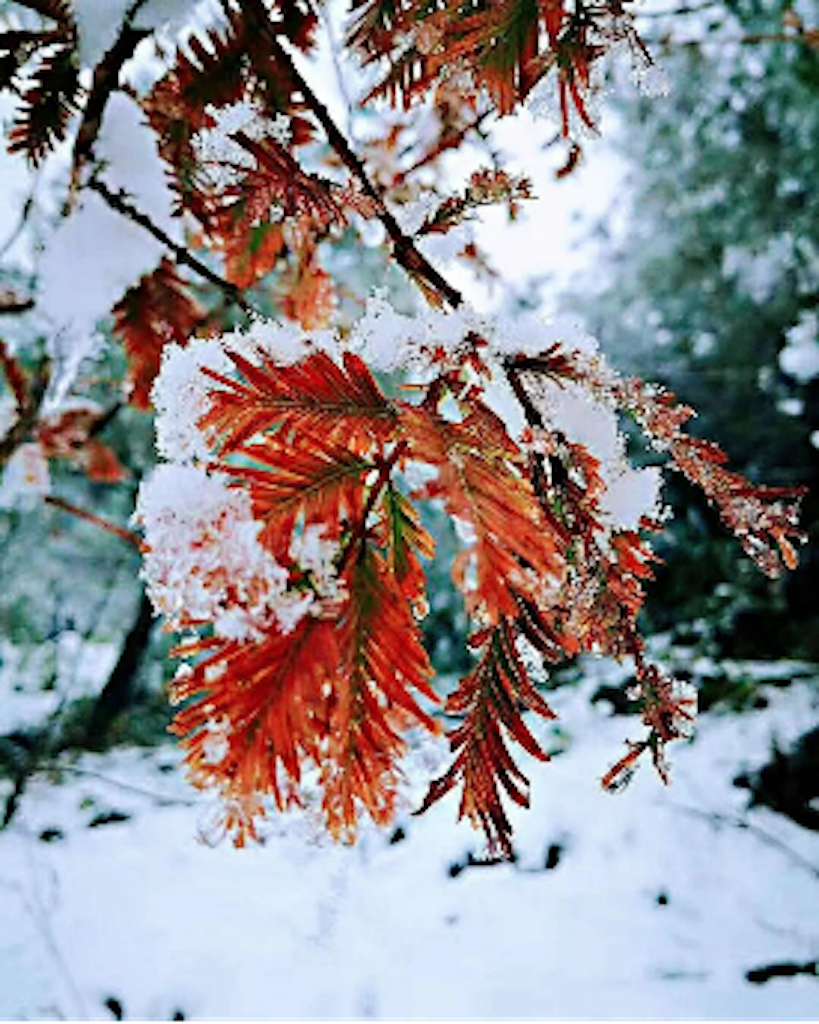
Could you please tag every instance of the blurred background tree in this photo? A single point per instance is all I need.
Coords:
(711, 287)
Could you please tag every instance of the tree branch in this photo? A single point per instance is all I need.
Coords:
(14, 306)
(406, 252)
(95, 520)
(106, 79)
(118, 691)
(120, 202)
(28, 404)
(47, 9)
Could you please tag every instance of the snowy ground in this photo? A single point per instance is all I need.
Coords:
(656, 904)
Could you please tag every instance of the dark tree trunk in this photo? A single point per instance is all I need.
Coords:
(118, 692)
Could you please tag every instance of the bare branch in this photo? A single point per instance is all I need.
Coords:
(120, 202)
(95, 520)
(106, 80)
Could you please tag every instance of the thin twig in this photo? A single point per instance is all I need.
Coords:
(25, 213)
(126, 787)
(13, 39)
(716, 819)
(380, 483)
(28, 411)
(120, 202)
(95, 520)
(106, 79)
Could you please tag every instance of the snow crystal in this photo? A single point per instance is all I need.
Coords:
(127, 148)
(25, 480)
(180, 397)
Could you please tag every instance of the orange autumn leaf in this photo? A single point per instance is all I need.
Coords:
(152, 314)
(342, 404)
(489, 701)
(480, 480)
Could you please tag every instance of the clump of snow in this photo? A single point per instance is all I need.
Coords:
(583, 419)
(8, 414)
(591, 421)
(224, 160)
(26, 479)
(98, 25)
(630, 495)
(203, 559)
(525, 333)
(127, 149)
(180, 397)
(204, 562)
(69, 350)
(99, 22)
(95, 254)
(800, 356)
(388, 340)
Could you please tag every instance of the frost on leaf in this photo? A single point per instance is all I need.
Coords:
(282, 536)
